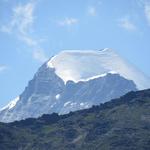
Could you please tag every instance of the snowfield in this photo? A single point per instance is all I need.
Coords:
(83, 65)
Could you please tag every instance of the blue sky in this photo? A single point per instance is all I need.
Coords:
(31, 31)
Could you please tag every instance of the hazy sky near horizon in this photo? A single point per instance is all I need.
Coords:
(32, 31)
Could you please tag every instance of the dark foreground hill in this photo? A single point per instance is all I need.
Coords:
(121, 124)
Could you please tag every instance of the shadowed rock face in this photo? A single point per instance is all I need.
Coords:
(47, 93)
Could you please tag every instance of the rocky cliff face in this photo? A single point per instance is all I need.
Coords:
(71, 81)
(47, 93)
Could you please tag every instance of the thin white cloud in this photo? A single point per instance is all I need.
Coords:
(3, 68)
(68, 21)
(5, 29)
(147, 11)
(22, 19)
(145, 5)
(92, 11)
(39, 55)
(127, 24)
(21, 25)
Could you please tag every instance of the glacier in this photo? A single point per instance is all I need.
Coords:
(83, 65)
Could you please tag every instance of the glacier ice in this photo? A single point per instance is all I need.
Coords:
(83, 65)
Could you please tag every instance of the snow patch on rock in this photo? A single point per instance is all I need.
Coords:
(57, 96)
(11, 104)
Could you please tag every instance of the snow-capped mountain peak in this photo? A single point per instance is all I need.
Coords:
(83, 65)
(74, 80)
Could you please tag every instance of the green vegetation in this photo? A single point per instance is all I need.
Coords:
(121, 124)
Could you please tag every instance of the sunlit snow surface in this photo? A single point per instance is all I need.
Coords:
(78, 65)
(11, 104)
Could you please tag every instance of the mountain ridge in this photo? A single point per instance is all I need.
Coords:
(91, 77)
(121, 123)
(37, 104)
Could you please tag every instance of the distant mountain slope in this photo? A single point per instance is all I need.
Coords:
(121, 124)
(74, 80)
